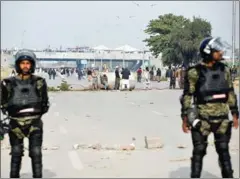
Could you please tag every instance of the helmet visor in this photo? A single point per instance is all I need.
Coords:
(218, 45)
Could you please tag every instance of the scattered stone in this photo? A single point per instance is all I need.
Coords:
(180, 160)
(153, 143)
(54, 148)
(88, 115)
(95, 146)
(105, 158)
(44, 148)
(50, 148)
(151, 103)
(128, 147)
(110, 148)
(76, 146)
(181, 146)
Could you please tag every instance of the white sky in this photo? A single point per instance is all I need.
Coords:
(39, 24)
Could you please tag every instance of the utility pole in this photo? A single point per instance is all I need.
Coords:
(233, 30)
(22, 40)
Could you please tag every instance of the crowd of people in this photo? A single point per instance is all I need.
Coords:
(100, 80)
(205, 105)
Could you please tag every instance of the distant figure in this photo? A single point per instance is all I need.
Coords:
(146, 78)
(139, 75)
(89, 73)
(104, 81)
(159, 75)
(125, 78)
(117, 79)
(94, 80)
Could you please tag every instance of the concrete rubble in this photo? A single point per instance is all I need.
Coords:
(104, 147)
(153, 142)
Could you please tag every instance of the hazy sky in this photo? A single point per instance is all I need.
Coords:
(39, 24)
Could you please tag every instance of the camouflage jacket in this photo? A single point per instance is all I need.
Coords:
(209, 109)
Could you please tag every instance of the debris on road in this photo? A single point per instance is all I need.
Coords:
(181, 146)
(50, 148)
(76, 146)
(54, 148)
(44, 148)
(128, 147)
(96, 146)
(180, 160)
(105, 147)
(153, 143)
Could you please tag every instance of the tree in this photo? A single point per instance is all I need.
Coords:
(177, 38)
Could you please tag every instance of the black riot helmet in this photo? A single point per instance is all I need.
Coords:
(25, 55)
(210, 45)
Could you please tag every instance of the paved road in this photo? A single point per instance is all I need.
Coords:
(78, 118)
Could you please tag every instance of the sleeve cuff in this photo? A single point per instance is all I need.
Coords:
(235, 113)
(183, 115)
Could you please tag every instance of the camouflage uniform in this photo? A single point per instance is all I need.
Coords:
(214, 118)
(30, 126)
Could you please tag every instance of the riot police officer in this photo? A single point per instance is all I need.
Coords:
(209, 84)
(24, 99)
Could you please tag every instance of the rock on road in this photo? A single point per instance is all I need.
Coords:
(114, 118)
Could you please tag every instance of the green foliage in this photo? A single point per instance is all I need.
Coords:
(52, 88)
(177, 38)
(64, 86)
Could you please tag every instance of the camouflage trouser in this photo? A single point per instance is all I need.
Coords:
(117, 83)
(222, 135)
(34, 132)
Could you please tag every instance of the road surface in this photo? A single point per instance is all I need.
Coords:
(114, 118)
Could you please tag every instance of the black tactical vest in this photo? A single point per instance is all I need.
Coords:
(212, 87)
(24, 94)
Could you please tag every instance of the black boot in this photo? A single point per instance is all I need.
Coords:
(15, 166)
(196, 167)
(37, 167)
(226, 169)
